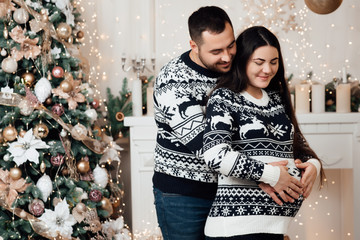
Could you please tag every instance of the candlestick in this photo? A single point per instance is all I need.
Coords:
(302, 98)
(138, 66)
(318, 98)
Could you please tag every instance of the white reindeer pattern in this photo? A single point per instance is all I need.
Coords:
(226, 119)
(255, 125)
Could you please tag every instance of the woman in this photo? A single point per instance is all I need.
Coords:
(250, 129)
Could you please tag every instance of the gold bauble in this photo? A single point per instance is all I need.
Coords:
(15, 173)
(80, 34)
(66, 86)
(22, 133)
(323, 6)
(41, 130)
(83, 166)
(9, 133)
(42, 167)
(81, 207)
(48, 101)
(29, 79)
(107, 206)
(63, 30)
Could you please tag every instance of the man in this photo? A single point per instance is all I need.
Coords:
(184, 187)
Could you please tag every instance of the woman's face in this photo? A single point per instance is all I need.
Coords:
(261, 68)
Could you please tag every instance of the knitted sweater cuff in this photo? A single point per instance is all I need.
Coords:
(316, 164)
(270, 175)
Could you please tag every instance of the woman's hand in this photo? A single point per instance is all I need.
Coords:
(288, 185)
(308, 176)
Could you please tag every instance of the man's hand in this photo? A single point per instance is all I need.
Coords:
(308, 175)
(271, 192)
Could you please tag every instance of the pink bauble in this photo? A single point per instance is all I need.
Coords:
(95, 103)
(58, 72)
(57, 160)
(36, 207)
(58, 109)
(95, 195)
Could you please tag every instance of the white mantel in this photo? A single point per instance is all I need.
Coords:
(335, 138)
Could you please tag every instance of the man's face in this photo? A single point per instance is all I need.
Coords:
(217, 50)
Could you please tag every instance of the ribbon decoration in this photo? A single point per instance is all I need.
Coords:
(4, 6)
(13, 99)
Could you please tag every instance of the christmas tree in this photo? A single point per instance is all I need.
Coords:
(58, 175)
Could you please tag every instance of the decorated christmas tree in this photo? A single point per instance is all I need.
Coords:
(58, 162)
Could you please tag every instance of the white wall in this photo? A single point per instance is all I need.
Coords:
(144, 28)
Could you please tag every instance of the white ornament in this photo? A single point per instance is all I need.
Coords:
(92, 114)
(3, 52)
(21, 16)
(7, 92)
(9, 65)
(56, 52)
(6, 157)
(25, 107)
(45, 186)
(43, 89)
(100, 176)
(63, 133)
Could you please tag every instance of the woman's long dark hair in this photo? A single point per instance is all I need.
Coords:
(237, 80)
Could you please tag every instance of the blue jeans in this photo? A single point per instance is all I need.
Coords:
(181, 217)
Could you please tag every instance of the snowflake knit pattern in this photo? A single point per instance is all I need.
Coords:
(242, 135)
(180, 93)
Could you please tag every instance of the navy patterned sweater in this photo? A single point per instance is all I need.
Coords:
(242, 135)
(180, 93)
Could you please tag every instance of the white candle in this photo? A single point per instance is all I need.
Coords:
(344, 78)
(136, 96)
(318, 98)
(150, 101)
(343, 98)
(302, 98)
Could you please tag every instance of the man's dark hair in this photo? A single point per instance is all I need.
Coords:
(209, 18)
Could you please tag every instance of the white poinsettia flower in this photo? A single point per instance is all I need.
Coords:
(111, 150)
(59, 221)
(24, 149)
